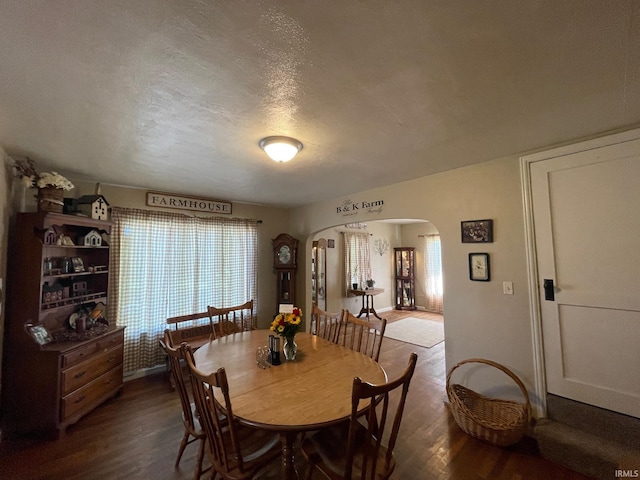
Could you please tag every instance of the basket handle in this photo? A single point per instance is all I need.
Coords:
(504, 369)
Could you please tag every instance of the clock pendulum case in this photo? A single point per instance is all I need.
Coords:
(285, 250)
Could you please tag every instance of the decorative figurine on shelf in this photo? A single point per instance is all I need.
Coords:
(92, 239)
(95, 206)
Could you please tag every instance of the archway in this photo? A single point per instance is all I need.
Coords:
(386, 235)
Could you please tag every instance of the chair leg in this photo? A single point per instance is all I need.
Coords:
(198, 472)
(183, 445)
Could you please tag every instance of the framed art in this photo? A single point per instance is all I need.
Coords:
(39, 334)
(78, 264)
(477, 231)
(479, 267)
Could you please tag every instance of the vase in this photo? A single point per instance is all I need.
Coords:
(50, 199)
(290, 348)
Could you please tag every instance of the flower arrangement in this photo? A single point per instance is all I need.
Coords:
(287, 324)
(29, 176)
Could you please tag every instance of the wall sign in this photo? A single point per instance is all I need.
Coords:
(180, 202)
(349, 207)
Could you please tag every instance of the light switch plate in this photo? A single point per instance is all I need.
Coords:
(507, 288)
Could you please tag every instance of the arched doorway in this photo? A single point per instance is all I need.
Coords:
(385, 235)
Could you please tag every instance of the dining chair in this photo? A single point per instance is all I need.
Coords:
(229, 320)
(191, 328)
(361, 335)
(236, 452)
(355, 450)
(325, 324)
(193, 431)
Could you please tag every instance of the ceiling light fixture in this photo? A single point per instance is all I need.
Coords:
(280, 149)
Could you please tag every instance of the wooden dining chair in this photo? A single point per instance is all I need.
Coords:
(355, 450)
(361, 335)
(193, 432)
(236, 452)
(191, 328)
(229, 320)
(325, 324)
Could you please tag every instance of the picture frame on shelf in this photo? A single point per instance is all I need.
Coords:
(39, 334)
(477, 231)
(78, 264)
(479, 267)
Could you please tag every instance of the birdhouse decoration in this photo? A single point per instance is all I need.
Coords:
(94, 206)
(92, 239)
(50, 236)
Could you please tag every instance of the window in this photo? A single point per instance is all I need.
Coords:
(357, 263)
(433, 274)
(167, 264)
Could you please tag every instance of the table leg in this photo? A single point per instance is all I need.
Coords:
(288, 440)
(369, 308)
(363, 310)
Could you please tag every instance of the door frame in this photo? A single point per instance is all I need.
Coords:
(540, 384)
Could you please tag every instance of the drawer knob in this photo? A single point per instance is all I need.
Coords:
(80, 374)
(80, 399)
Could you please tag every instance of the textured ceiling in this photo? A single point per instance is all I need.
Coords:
(174, 95)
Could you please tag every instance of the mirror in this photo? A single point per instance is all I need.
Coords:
(318, 273)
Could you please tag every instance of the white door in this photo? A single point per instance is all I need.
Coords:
(586, 213)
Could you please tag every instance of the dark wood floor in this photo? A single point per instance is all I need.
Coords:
(137, 435)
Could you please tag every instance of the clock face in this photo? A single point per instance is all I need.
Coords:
(284, 254)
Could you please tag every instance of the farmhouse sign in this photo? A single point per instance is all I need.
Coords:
(349, 207)
(164, 200)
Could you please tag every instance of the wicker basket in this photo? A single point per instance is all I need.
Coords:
(499, 422)
(50, 199)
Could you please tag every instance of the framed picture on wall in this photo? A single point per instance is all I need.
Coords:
(477, 231)
(479, 268)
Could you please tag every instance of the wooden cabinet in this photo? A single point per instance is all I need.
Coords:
(318, 273)
(405, 278)
(58, 267)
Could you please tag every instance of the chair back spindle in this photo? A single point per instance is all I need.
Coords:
(361, 335)
(324, 324)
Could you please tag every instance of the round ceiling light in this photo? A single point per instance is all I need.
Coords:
(280, 149)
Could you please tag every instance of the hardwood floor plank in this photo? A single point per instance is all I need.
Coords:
(136, 436)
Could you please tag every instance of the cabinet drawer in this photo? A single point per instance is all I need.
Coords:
(91, 394)
(108, 341)
(79, 354)
(81, 374)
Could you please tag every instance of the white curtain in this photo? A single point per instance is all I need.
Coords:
(357, 259)
(167, 264)
(433, 273)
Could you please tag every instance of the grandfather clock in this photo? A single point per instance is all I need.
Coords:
(285, 252)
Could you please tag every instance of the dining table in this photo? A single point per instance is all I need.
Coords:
(308, 393)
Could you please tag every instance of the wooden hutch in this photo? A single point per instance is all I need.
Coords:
(61, 357)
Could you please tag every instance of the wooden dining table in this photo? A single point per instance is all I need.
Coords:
(311, 392)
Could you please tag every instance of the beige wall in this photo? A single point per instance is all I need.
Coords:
(479, 320)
